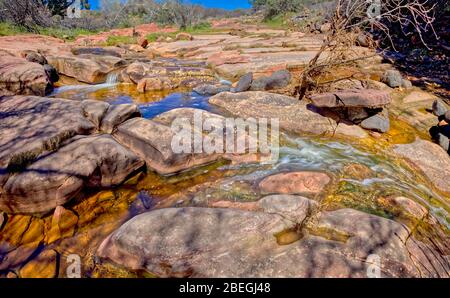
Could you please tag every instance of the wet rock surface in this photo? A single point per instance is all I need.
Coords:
(430, 159)
(295, 183)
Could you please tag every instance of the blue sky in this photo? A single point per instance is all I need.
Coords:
(227, 4)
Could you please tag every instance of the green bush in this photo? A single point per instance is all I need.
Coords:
(7, 29)
(117, 40)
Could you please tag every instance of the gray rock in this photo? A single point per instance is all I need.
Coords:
(369, 98)
(393, 78)
(447, 116)
(211, 89)
(443, 141)
(431, 159)
(439, 107)
(244, 83)
(206, 242)
(259, 84)
(406, 84)
(295, 208)
(118, 114)
(379, 122)
(56, 178)
(279, 79)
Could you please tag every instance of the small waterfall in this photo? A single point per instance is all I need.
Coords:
(112, 78)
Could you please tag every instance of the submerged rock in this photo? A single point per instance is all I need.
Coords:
(431, 159)
(295, 183)
(43, 266)
(63, 224)
(294, 208)
(21, 77)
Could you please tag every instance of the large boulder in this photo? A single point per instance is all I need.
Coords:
(431, 159)
(368, 98)
(215, 242)
(19, 76)
(55, 178)
(31, 125)
(293, 115)
(153, 142)
(87, 68)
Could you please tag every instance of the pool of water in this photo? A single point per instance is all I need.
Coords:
(151, 104)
